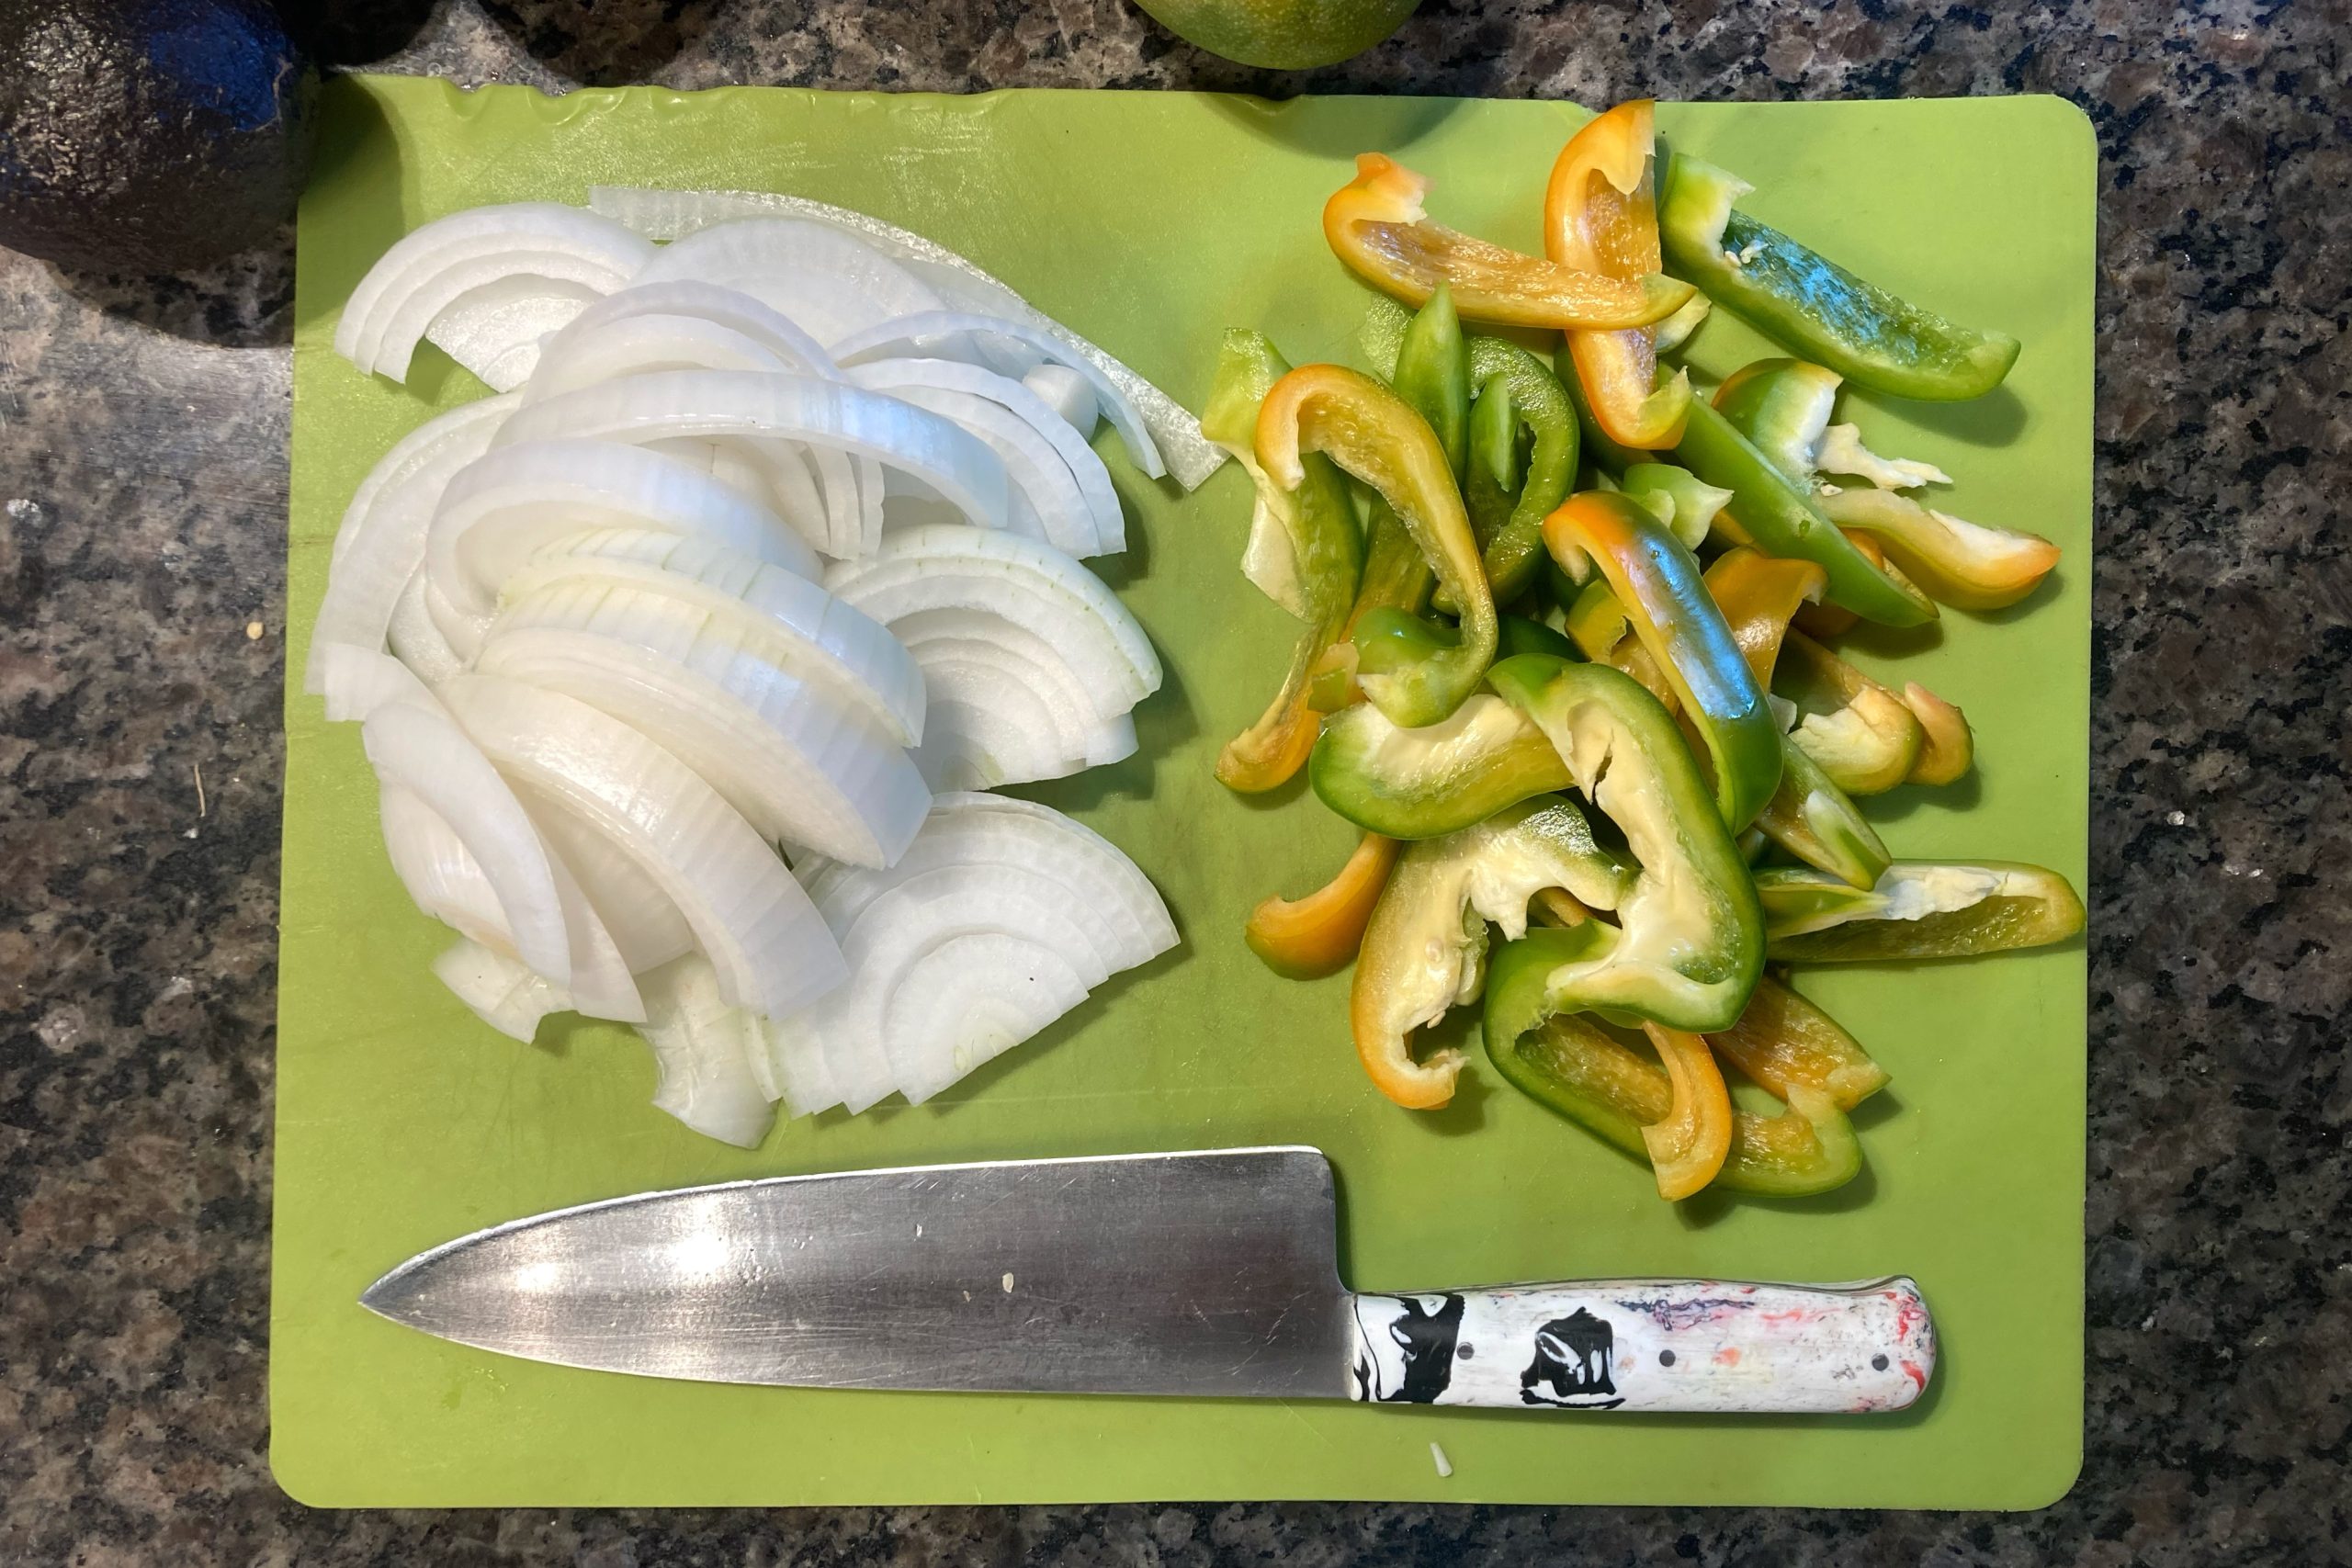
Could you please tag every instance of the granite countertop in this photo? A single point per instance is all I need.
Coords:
(143, 474)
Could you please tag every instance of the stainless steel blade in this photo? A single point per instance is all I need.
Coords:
(1205, 1274)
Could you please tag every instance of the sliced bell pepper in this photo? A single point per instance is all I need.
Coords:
(1491, 478)
(1432, 373)
(1657, 580)
(1311, 531)
(1596, 620)
(1782, 406)
(1603, 453)
(1827, 620)
(1758, 594)
(1423, 784)
(1690, 505)
(1840, 451)
(1691, 943)
(1948, 746)
(1687, 1145)
(1571, 1066)
(1960, 563)
(1788, 1047)
(1520, 634)
(1303, 939)
(1537, 401)
(1812, 305)
(1600, 216)
(1369, 431)
(1865, 738)
(1424, 951)
(1918, 910)
(1376, 225)
(1774, 514)
(1818, 822)
(1676, 329)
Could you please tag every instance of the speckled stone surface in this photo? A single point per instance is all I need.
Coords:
(142, 461)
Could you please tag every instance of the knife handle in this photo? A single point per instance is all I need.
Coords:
(1698, 1346)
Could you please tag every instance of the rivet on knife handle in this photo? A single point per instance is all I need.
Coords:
(1653, 1344)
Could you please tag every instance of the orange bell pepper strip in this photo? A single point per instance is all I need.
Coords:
(1376, 225)
(1304, 939)
(1688, 1148)
(1600, 216)
(1949, 747)
(1758, 594)
(1966, 565)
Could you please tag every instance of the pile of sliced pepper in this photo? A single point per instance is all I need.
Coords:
(1569, 659)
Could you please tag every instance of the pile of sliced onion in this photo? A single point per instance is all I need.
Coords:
(776, 530)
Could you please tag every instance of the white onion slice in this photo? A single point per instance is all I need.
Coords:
(416, 747)
(672, 404)
(670, 214)
(787, 618)
(703, 1053)
(792, 1067)
(729, 308)
(637, 344)
(495, 329)
(943, 331)
(831, 283)
(500, 511)
(1030, 585)
(1006, 708)
(502, 993)
(1043, 486)
(975, 943)
(416, 640)
(380, 541)
(750, 918)
(955, 375)
(646, 925)
(435, 266)
(1068, 394)
(798, 764)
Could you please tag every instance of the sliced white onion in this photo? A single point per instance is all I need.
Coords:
(501, 510)
(461, 630)
(435, 266)
(637, 343)
(440, 873)
(797, 764)
(787, 619)
(703, 1048)
(495, 329)
(830, 282)
(1030, 585)
(1077, 466)
(967, 948)
(382, 540)
(670, 214)
(646, 925)
(750, 918)
(358, 682)
(944, 333)
(669, 405)
(418, 749)
(417, 642)
(729, 308)
(792, 1067)
(1005, 706)
(1113, 740)
(503, 993)
(1068, 394)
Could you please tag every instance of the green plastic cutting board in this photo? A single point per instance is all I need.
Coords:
(1151, 222)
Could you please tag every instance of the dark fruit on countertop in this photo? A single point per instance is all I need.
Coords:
(144, 136)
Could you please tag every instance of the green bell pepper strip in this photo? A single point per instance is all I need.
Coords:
(1312, 529)
(1691, 943)
(1690, 505)
(1396, 576)
(1917, 909)
(1595, 620)
(1818, 822)
(1774, 514)
(1519, 634)
(1423, 784)
(1424, 950)
(1656, 579)
(1432, 373)
(1369, 431)
(1812, 304)
(1782, 406)
(1864, 736)
(1570, 1066)
(1540, 404)
(1492, 481)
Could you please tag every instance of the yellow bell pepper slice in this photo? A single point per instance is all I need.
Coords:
(1304, 939)
(1690, 1146)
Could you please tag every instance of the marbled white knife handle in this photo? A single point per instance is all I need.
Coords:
(1700, 1345)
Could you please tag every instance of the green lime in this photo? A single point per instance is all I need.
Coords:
(1282, 35)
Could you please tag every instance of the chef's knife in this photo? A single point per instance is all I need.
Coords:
(1210, 1274)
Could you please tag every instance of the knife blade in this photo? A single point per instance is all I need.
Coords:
(1211, 1274)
